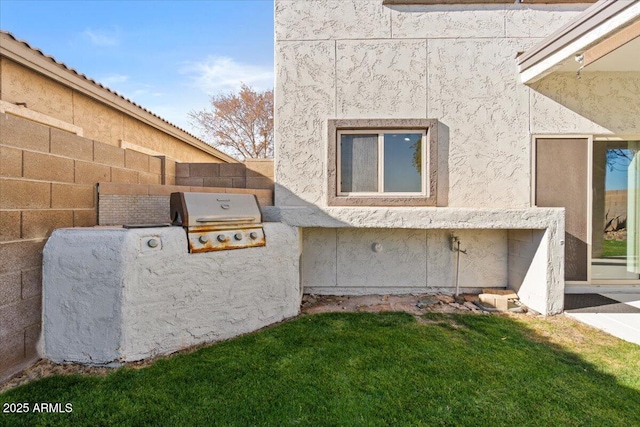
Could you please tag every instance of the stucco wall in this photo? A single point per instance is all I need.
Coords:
(130, 301)
(596, 103)
(338, 243)
(99, 122)
(360, 261)
(453, 63)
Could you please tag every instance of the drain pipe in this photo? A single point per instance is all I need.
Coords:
(455, 246)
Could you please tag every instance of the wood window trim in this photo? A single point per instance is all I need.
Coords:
(429, 125)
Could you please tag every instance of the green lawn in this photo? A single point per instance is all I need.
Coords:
(614, 248)
(346, 369)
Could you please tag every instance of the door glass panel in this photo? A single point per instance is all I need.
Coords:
(615, 215)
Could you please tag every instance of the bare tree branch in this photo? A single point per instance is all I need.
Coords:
(240, 124)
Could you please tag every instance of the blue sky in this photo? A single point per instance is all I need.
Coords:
(168, 56)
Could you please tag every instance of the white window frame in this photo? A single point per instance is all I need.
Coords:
(424, 173)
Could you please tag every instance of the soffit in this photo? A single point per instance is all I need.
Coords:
(588, 32)
(626, 58)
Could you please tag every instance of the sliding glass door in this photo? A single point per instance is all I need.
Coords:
(615, 211)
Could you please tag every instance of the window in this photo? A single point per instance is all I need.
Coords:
(382, 162)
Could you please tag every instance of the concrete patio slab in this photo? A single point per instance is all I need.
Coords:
(616, 314)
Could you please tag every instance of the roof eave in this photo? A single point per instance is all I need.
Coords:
(594, 24)
(23, 54)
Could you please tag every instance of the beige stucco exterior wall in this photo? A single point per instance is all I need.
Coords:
(598, 103)
(453, 63)
(40, 93)
(358, 59)
(100, 122)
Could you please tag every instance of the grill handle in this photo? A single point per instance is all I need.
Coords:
(226, 219)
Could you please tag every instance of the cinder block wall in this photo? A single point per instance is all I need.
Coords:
(255, 173)
(615, 204)
(149, 204)
(48, 180)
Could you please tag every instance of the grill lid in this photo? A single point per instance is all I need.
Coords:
(201, 209)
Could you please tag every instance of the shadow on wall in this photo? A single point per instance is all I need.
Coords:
(611, 100)
(443, 164)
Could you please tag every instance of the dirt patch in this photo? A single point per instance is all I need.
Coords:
(414, 304)
(45, 368)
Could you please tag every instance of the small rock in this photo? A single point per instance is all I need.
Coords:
(426, 302)
(446, 298)
(470, 297)
(471, 306)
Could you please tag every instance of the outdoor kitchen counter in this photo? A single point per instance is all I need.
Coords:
(112, 294)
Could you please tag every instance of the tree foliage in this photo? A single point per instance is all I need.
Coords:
(239, 124)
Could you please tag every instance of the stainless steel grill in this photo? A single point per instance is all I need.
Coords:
(218, 221)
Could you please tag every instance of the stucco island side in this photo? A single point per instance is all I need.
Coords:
(108, 297)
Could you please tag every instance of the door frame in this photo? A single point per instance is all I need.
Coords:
(590, 285)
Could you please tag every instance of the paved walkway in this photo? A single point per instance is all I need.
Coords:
(616, 314)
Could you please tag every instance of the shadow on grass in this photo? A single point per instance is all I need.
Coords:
(353, 369)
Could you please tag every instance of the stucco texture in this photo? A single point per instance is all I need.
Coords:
(360, 59)
(20, 85)
(596, 103)
(377, 250)
(108, 297)
(400, 260)
(452, 63)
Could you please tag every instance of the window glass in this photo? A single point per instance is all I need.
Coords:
(359, 163)
(403, 162)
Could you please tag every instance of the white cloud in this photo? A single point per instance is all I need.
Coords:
(113, 79)
(102, 38)
(218, 74)
(146, 92)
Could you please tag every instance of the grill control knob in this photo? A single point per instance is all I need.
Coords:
(222, 238)
(253, 235)
(237, 236)
(203, 239)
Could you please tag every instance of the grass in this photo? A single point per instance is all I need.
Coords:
(349, 369)
(614, 248)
